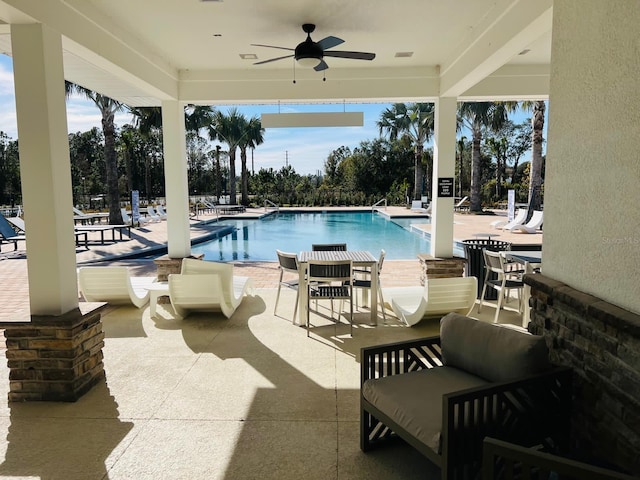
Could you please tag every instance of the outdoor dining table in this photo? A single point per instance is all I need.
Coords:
(531, 259)
(360, 258)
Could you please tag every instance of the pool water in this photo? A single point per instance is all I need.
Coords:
(257, 240)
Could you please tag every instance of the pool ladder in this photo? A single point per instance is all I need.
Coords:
(268, 204)
(378, 203)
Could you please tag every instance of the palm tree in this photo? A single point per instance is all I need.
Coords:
(149, 119)
(253, 136)
(476, 116)
(416, 122)
(229, 129)
(535, 174)
(108, 108)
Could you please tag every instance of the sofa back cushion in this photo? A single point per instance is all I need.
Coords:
(491, 351)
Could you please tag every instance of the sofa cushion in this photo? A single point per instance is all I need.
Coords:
(414, 400)
(490, 351)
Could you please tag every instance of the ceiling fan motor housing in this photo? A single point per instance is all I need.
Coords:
(308, 49)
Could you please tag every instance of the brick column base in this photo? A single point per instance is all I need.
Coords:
(166, 265)
(433, 267)
(57, 358)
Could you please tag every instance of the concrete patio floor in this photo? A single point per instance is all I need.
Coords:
(207, 397)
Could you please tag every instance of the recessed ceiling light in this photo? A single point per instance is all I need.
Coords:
(525, 51)
(248, 56)
(404, 54)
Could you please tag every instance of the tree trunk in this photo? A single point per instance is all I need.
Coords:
(244, 178)
(417, 187)
(475, 202)
(535, 174)
(232, 176)
(111, 162)
(218, 174)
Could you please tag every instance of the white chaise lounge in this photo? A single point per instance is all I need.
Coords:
(519, 219)
(439, 296)
(532, 226)
(113, 285)
(207, 286)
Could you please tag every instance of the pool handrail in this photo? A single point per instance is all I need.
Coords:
(373, 207)
(269, 204)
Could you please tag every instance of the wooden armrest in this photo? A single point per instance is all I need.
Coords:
(527, 411)
(400, 357)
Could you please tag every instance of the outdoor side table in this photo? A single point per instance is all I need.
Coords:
(156, 290)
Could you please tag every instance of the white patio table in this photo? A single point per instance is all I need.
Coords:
(360, 258)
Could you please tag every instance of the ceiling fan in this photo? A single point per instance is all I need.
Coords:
(310, 54)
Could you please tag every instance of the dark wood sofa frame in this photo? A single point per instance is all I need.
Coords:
(527, 411)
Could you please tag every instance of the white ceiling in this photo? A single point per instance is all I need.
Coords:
(145, 51)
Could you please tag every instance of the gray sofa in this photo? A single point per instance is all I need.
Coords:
(443, 395)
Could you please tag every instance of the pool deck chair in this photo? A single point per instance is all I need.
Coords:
(329, 247)
(532, 226)
(113, 285)
(438, 297)
(416, 206)
(151, 212)
(461, 205)
(207, 286)
(129, 221)
(288, 263)
(8, 234)
(330, 280)
(519, 219)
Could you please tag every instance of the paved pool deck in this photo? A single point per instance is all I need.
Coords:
(151, 240)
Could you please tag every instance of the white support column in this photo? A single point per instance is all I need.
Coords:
(175, 173)
(444, 156)
(45, 168)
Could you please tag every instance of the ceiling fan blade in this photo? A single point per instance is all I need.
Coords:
(353, 55)
(272, 59)
(272, 46)
(330, 42)
(321, 66)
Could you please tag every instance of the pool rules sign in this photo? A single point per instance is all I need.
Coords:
(445, 187)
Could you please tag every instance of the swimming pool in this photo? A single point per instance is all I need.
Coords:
(257, 240)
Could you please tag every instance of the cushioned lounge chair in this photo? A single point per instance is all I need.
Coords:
(17, 223)
(532, 226)
(438, 297)
(8, 234)
(113, 285)
(518, 219)
(207, 286)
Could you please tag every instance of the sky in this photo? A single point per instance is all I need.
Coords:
(304, 148)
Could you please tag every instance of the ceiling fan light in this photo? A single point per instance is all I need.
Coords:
(308, 62)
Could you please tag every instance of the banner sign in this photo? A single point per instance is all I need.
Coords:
(511, 204)
(445, 187)
(135, 206)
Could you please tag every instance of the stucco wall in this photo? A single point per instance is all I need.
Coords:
(592, 186)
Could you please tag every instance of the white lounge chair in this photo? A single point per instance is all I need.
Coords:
(438, 297)
(160, 211)
(151, 212)
(113, 285)
(129, 221)
(532, 226)
(461, 204)
(416, 206)
(207, 286)
(518, 219)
